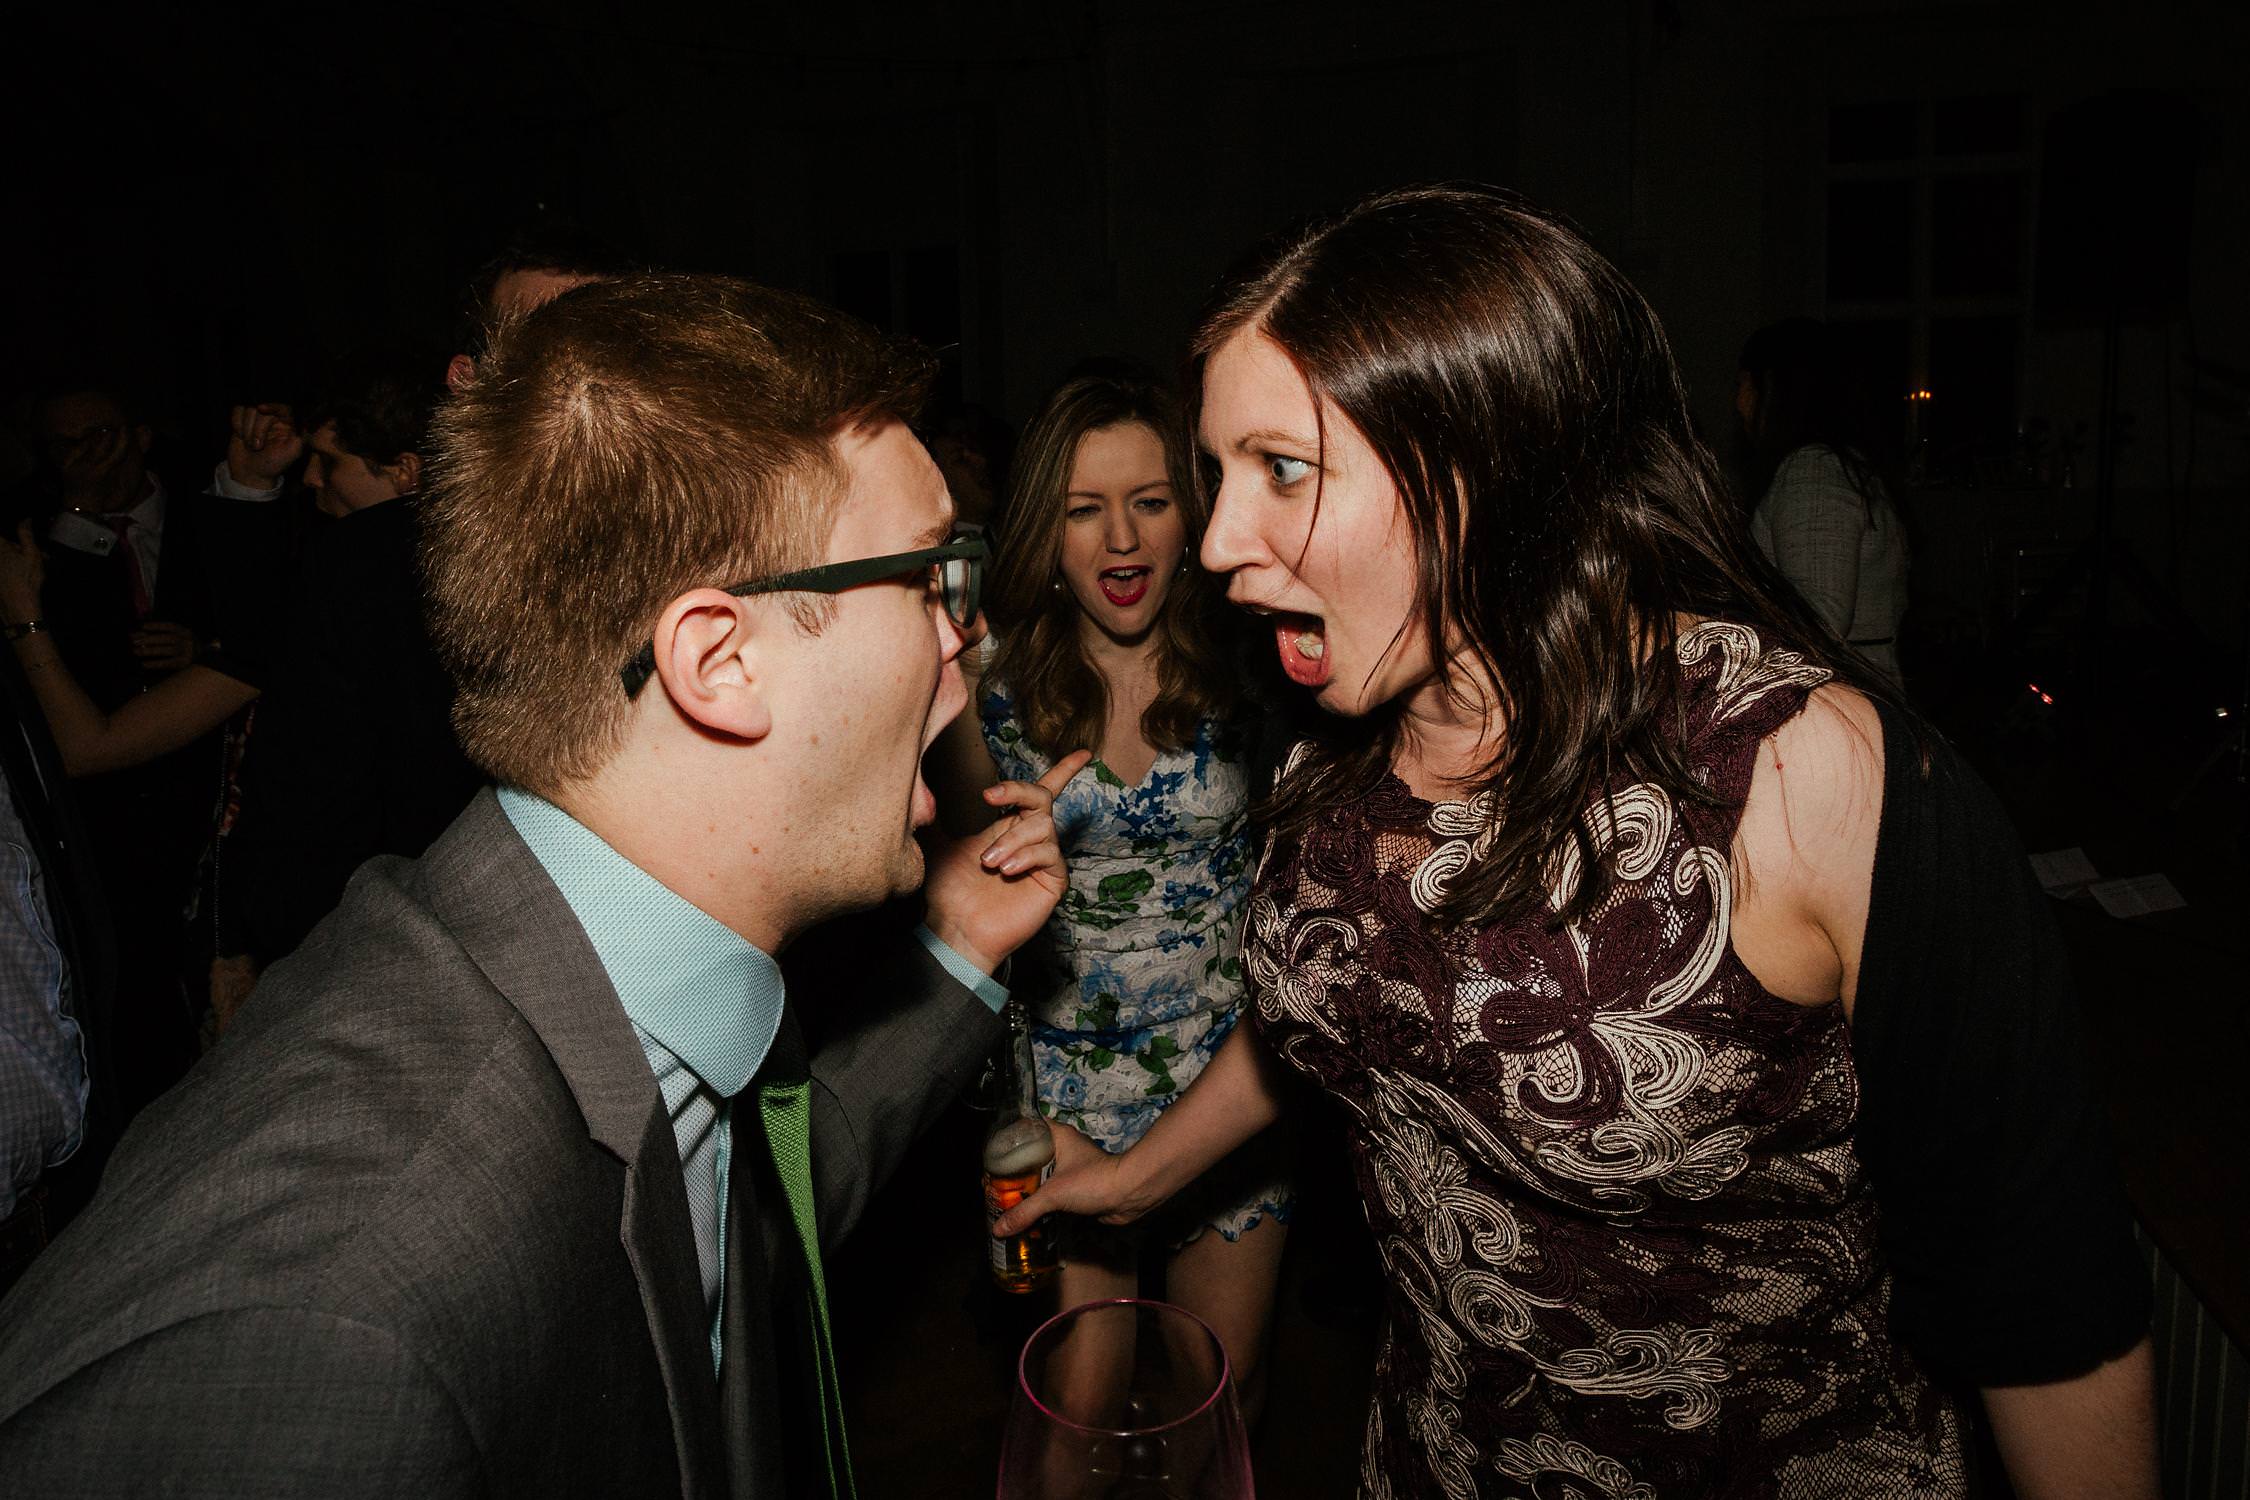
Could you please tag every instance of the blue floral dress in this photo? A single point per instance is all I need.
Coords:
(1149, 932)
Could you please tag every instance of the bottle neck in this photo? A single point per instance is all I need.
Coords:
(1023, 1077)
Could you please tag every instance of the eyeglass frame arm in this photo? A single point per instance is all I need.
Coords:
(826, 578)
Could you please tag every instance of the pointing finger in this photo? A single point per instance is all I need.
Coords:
(1059, 774)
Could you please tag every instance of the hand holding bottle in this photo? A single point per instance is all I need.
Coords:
(1018, 1151)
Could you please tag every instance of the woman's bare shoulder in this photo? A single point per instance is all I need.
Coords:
(1806, 846)
(1835, 747)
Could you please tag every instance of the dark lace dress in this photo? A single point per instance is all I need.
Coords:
(1630, 1248)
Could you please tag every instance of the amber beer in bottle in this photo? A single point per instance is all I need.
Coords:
(1018, 1154)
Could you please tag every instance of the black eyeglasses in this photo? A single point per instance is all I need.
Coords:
(956, 570)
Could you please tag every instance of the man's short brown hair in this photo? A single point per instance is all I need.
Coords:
(630, 441)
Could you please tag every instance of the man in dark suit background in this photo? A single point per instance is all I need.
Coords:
(353, 753)
(501, 1184)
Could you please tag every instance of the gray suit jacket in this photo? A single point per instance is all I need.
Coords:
(418, 1227)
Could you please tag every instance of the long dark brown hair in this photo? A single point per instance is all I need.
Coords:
(1523, 398)
(1060, 698)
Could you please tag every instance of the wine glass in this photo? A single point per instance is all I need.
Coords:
(1127, 1399)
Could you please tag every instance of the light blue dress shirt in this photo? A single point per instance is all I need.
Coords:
(704, 1001)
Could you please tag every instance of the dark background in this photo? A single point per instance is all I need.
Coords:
(203, 203)
(201, 193)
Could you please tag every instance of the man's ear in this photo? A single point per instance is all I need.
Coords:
(707, 644)
(459, 371)
(143, 436)
(405, 471)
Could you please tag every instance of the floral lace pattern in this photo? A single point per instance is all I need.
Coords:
(1631, 1252)
(1150, 926)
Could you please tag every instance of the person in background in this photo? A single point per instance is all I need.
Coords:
(1822, 510)
(1106, 637)
(250, 554)
(53, 982)
(124, 597)
(1705, 1047)
(360, 583)
(179, 709)
(259, 540)
(354, 753)
(127, 603)
(222, 676)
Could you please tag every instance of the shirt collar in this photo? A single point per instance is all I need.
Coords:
(704, 991)
(147, 513)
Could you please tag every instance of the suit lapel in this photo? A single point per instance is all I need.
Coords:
(660, 1243)
(515, 926)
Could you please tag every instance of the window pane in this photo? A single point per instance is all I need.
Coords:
(1971, 127)
(1870, 132)
(1972, 388)
(1870, 240)
(1976, 235)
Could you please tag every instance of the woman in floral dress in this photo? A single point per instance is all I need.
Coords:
(1105, 638)
(1694, 1019)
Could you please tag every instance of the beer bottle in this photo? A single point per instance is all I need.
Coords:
(1019, 1152)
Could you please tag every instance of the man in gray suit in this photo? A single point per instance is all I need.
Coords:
(501, 1184)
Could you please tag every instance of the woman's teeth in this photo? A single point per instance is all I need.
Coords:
(1124, 587)
(1303, 642)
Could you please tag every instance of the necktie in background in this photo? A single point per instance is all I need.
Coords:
(122, 524)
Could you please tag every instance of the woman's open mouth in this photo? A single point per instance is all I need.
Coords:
(1302, 641)
(1125, 587)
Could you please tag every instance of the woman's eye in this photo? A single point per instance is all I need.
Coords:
(1156, 504)
(1285, 472)
(1080, 512)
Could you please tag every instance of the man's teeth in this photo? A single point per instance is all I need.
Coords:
(1311, 647)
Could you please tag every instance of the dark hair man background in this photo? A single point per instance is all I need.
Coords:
(512, 1180)
(353, 752)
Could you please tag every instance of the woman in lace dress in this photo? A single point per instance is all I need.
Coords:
(1706, 1090)
(1105, 637)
